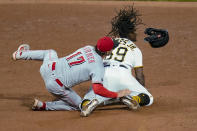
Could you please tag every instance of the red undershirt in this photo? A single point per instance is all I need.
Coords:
(102, 91)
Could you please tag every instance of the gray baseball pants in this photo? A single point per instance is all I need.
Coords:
(68, 99)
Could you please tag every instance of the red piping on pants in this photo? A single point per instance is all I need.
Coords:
(57, 80)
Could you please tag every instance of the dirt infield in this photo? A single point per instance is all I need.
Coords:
(170, 71)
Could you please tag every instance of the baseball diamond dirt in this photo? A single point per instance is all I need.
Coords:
(65, 26)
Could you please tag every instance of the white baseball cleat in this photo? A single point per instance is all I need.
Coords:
(37, 105)
(16, 55)
(131, 103)
(87, 110)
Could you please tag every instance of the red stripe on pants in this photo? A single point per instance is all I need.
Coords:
(53, 66)
(59, 82)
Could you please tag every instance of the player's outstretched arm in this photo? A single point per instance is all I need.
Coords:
(102, 91)
(140, 75)
(124, 92)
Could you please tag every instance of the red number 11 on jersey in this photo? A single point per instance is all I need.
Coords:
(75, 59)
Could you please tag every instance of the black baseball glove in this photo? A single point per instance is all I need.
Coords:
(156, 37)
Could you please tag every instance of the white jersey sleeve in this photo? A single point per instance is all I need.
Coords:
(137, 58)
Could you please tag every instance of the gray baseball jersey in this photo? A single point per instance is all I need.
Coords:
(82, 65)
(58, 73)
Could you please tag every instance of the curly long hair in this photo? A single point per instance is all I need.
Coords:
(125, 22)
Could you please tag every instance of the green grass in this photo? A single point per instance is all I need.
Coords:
(163, 0)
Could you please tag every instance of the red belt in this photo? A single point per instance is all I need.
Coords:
(57, 80)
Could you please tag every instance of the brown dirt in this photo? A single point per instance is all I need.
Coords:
(65, 26)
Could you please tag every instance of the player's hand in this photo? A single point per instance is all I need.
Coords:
(124, 92)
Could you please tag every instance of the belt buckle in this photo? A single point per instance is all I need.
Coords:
(114, 64)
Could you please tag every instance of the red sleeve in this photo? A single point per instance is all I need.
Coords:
(102, 91)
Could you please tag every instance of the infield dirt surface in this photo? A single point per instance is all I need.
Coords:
(170, 72)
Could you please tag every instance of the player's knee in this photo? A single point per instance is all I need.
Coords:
(144, 99)
(51, 55)
(52, 51)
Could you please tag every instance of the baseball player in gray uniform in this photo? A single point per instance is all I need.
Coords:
(61, 74)
(119, 64)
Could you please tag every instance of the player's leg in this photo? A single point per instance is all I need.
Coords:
(25, 53)
(59, 105)
(51, 106)
(118, 78)
(66, 95)
(108, 83)
(90, 102)
(67, 100)
(142, 99)
(138, 92)
(35, 55)
(71, 97)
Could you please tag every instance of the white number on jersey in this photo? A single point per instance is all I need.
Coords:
(120, 52)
